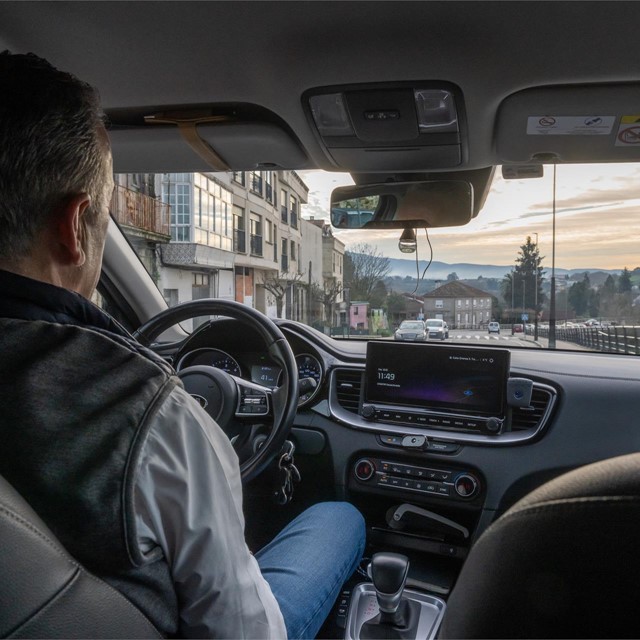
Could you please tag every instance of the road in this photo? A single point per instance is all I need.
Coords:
(470, 336)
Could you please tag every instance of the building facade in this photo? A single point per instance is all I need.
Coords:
(238, 236)
(460, 305)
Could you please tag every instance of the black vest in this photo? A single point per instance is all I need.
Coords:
(76, 403)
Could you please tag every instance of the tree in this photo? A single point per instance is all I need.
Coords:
(522, 288)
(452, 277)
(624, 281)
(579, 295)
(327, 296)
(364, 266)
(278, 285)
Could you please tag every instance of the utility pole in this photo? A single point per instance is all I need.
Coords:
(513, 286)
(535, 322)
(552, 301)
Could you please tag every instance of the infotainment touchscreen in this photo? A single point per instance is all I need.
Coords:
(458, 379)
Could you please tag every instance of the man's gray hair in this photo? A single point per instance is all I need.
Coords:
(50, 148)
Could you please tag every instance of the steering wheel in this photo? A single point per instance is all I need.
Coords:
(236, 404)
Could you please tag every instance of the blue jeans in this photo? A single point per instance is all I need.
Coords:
(309, 560)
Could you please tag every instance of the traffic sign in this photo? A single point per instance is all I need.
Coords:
(524, 317)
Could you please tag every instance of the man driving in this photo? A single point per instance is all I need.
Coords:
(98, 434)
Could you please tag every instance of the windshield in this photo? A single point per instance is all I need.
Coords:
(434, 323)
(263, 238)
(412, 325)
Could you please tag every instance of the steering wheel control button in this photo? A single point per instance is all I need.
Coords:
(364, 469)
(465, 485)
(414, 442)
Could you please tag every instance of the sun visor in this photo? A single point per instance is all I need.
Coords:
(244, 146)
(577, 124)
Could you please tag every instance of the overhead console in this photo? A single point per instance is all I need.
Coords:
(403, 126)
(420, 396)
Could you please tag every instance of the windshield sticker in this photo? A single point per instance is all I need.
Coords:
(570, 125)
(628, 131)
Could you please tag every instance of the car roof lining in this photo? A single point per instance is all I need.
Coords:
(271, 53)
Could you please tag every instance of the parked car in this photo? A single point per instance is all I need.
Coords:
(493, 327)
(437, 329)
(411, 331)
(317, 88)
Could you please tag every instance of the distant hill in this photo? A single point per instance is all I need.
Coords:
(469, 271)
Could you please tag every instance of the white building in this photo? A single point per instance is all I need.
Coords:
(232, 234)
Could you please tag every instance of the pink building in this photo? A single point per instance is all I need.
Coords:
(358, 317)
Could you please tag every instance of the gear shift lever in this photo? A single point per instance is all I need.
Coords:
(398, 617)
(389, 575)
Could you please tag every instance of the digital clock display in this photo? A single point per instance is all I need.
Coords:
(461, 379)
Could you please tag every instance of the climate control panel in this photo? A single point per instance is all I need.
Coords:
(428, 481)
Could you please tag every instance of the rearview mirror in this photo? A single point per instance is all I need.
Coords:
(398, 205)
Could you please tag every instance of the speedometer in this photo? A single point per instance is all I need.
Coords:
(212, 358)
(309, 367)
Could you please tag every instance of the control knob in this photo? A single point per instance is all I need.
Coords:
(466, 485)
(364, 469)
(368, 412)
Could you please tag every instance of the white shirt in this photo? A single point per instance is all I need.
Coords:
(188, 501)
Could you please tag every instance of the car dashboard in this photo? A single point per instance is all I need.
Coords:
(444, 460)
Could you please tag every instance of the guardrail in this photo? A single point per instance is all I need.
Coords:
(605, 339)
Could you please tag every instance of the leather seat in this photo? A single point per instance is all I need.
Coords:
(564, 562)
(45, 593)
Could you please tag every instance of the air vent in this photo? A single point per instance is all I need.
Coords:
(348, 385)
(529, 419)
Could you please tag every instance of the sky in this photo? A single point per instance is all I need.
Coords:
(597, 219)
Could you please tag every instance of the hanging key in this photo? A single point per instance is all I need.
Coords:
(288, 474)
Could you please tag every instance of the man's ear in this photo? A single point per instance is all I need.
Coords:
(70, 229)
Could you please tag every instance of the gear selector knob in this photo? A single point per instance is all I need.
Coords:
(389, 571)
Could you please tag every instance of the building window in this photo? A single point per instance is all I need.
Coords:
(268, 186)
(475, 302)
(294, 213)
(355, 311)
(459, 304)
(177, 195)
(256, 234)
(238, 176)
(256, 182)
(269, 232)
(466, 302)
(458, 316)
(439, 304)
(200, 280)
(293, 250)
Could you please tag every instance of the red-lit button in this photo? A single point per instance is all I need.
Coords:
(364, 469)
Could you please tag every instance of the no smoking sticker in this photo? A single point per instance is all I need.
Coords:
(570, 125)
(628, 131)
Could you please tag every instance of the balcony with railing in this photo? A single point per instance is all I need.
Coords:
(144, 214)
(256, 245)
(240, 241)
(284, 263)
